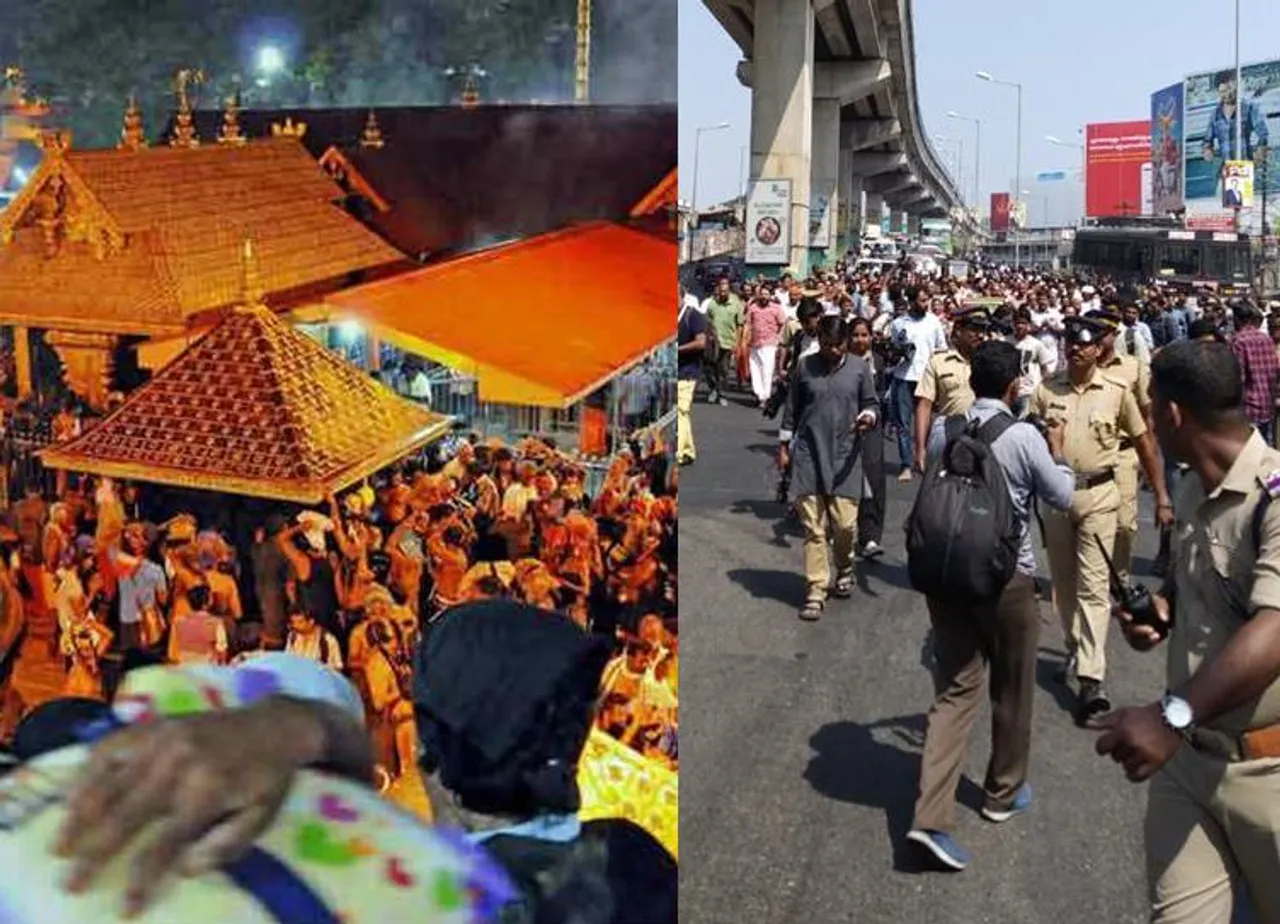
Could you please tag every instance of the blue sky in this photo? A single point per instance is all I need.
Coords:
(1087, 61)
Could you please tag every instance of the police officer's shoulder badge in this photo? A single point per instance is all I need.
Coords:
(1271, 483)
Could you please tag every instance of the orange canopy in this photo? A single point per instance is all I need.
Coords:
(542, 322)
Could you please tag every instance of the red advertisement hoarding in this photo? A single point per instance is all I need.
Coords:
(1000, 211)
(1114, 155)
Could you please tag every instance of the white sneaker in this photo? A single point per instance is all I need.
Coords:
(871, 550)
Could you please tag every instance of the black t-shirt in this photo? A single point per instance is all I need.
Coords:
(692, 323)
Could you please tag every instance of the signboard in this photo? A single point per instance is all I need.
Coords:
(1237, 184)
(1148, 192)
(1018, 214)
(820, 222)
(1051, 176)
(1166, 150)
(769, 223)
(1114, 155)
(1000, 208)
(1210, 140)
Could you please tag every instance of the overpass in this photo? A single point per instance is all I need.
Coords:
(834, 110)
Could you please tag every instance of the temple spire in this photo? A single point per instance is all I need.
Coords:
(372, 137)
(184, 133)
(251, 291)
(133, 136)
(289, 129)
(470, 92)
(230, 133)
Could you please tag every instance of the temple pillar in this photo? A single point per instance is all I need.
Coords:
(22, 360)
(86, 363)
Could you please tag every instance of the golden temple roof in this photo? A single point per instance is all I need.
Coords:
(254, 408)
(138, 241)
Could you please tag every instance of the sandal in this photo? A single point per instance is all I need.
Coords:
(811, 611)
(843, 587)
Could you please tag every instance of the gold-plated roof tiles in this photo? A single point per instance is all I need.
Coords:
(254, 408)
(176, 219)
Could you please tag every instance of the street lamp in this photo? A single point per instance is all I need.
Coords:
(1017, 180)
(959, 161)
(1084, 183)
(977, 153)
(697, 145)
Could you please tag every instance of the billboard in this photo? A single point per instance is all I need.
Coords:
(1000, 211)
(1210, 131)
(1114, 155)
(769, 222)
(1166, 150)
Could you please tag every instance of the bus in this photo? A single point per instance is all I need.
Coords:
(1171, 254)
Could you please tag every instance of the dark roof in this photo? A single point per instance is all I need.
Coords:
(457, 179)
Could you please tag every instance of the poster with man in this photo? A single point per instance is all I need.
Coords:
(1237, 184)
(1211, 101)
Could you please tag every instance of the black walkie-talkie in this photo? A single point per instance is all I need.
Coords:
(1134, 599)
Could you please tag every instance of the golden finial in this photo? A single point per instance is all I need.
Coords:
(470, 92)
(251, 295)
(184, 133)
(289, 129)
(372, 137)
(231, 133)
(133, 137)
(55, 141)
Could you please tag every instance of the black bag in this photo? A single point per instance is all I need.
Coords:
(962, 535)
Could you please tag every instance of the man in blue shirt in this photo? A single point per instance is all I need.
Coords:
(1001, 638)
(1220, 133)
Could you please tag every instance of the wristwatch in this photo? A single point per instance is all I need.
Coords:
(1177, 714)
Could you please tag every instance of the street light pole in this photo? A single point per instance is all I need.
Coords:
(697, 147)
(1054, 139)
(1017, 181)
(1239, 107)
(977, 155)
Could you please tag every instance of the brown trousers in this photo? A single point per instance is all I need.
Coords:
(999, 640)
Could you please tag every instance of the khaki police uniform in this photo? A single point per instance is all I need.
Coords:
(1213, 811)
(1095, 417)
(945, 382)
(1136, 377)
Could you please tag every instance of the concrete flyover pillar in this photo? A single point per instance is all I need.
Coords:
(849, 190)
(875, 209)
(824, 194)
(782, 108)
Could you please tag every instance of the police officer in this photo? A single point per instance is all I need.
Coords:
(1134, 375)
(944, 385)
(1211, 745)
(1096, 412)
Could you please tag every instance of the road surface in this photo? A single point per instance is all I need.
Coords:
(801, 740)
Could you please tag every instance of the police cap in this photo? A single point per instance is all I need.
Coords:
(974, 317)
(1085, 329)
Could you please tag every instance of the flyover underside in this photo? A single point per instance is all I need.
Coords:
(834, 111)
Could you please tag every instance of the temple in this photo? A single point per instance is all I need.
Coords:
(254, 408)
(102, 249)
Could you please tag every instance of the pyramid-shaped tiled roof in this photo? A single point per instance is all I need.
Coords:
(254, 408)
(150, 238)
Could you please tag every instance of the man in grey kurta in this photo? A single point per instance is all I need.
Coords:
(832, 402)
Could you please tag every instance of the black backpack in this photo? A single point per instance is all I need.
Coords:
(962, 535)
